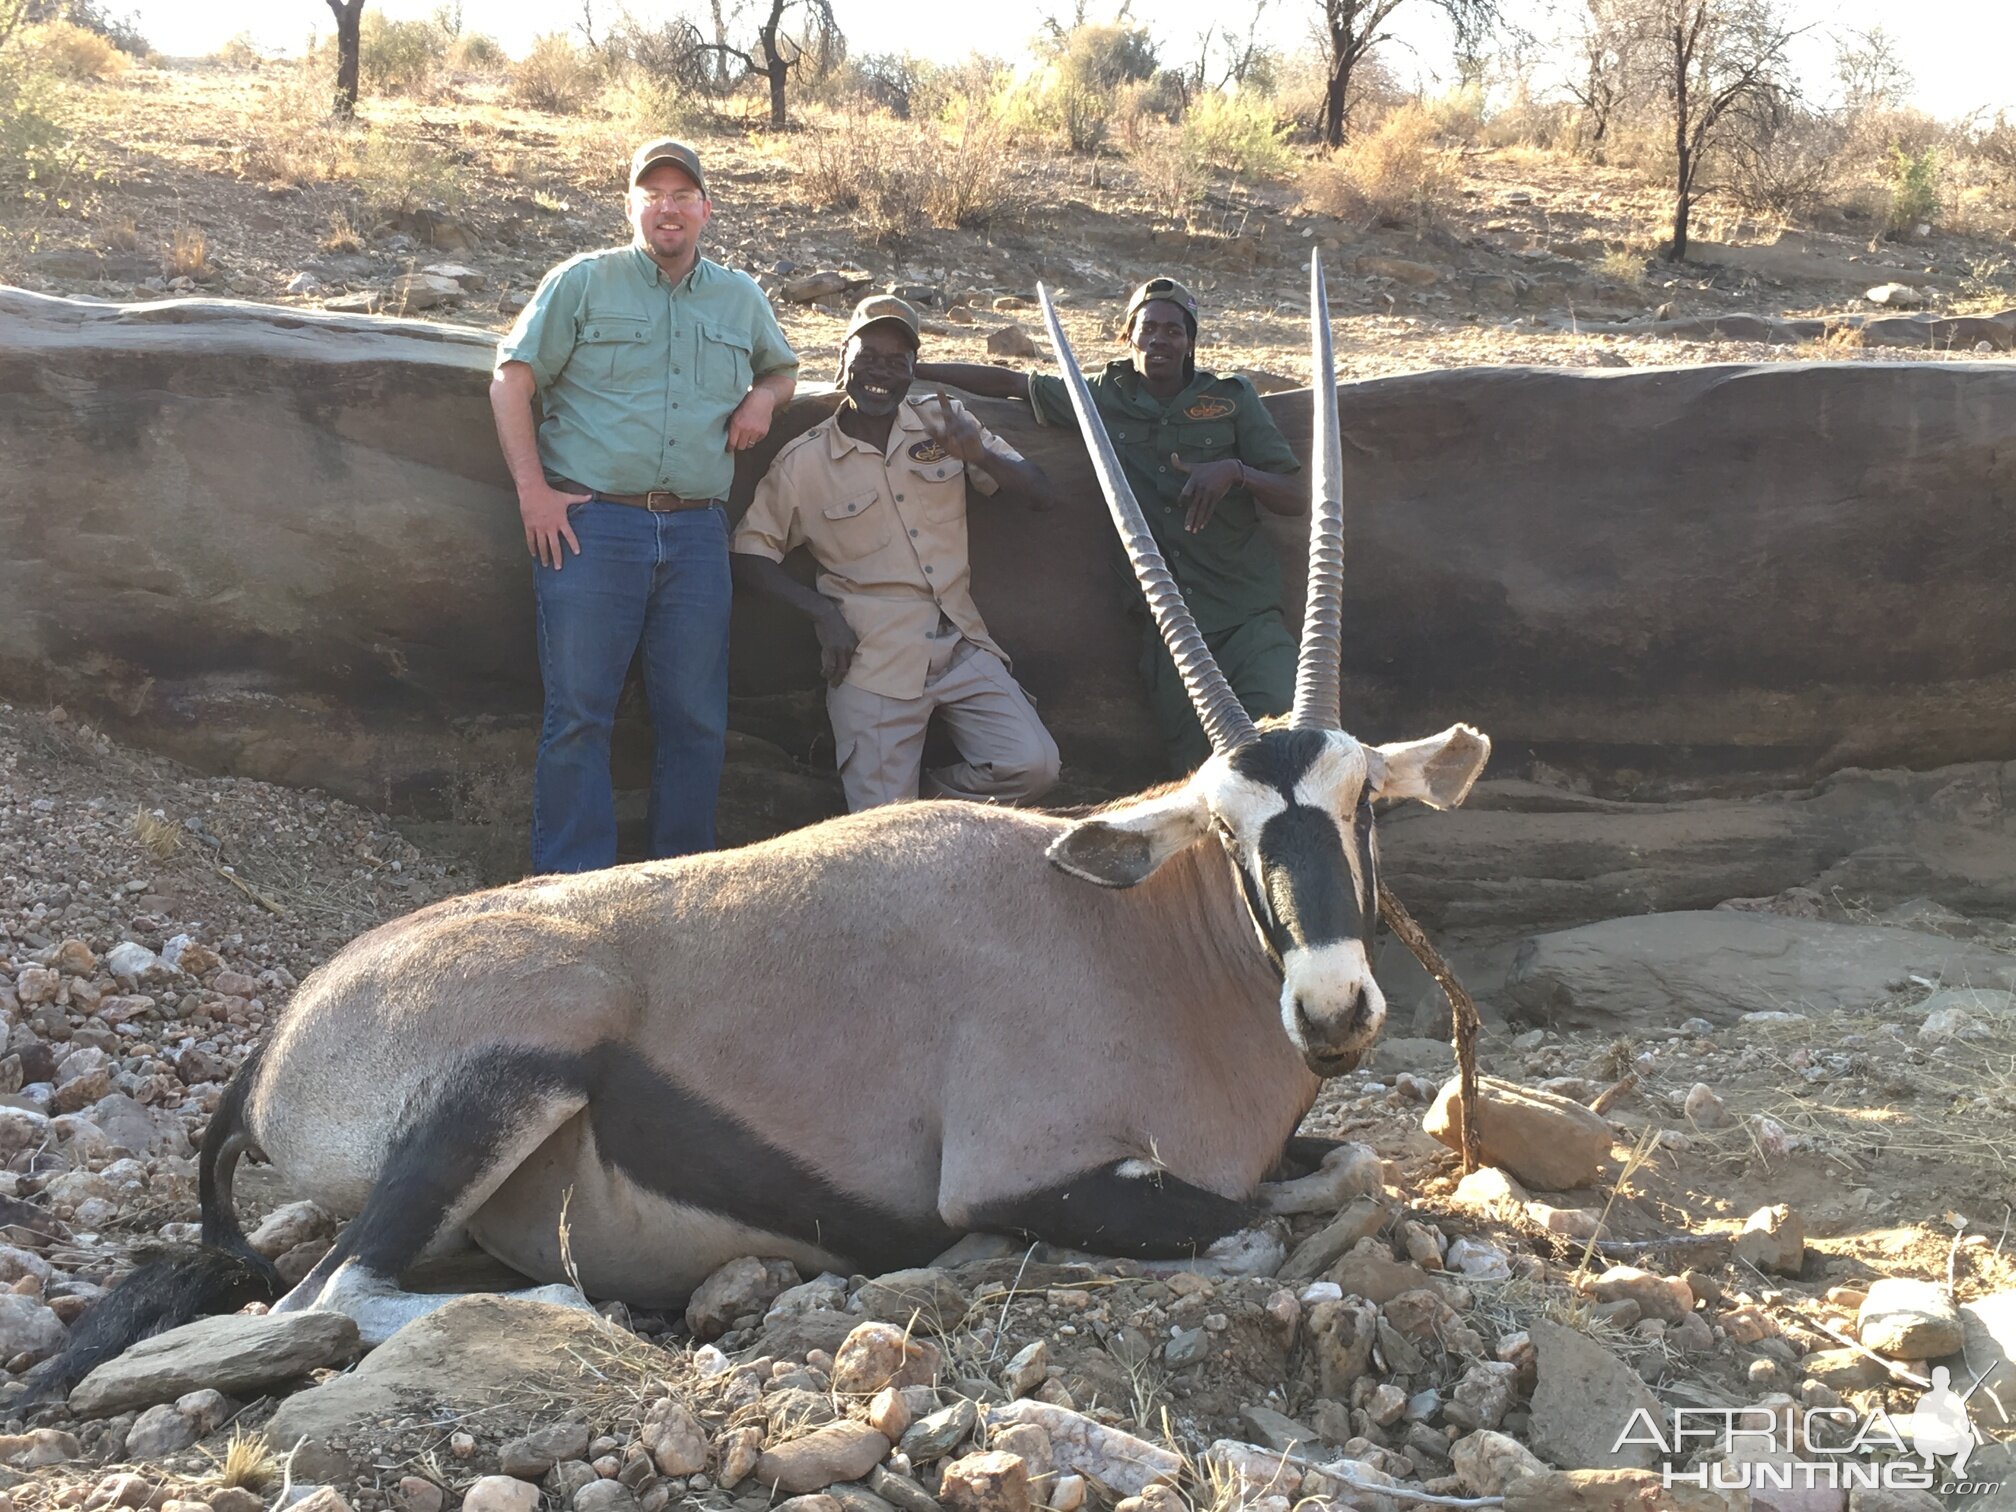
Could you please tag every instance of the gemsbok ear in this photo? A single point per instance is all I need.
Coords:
(1125, 846)
(1438, 770)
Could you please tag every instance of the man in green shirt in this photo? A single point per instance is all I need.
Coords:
(652, 366)
(1204, 457)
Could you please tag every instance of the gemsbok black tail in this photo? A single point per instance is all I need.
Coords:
(175, 1283)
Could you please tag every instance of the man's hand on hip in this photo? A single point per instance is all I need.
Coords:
(837, 644)
(544, 511)
(751, 421)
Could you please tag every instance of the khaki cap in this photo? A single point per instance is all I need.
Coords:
(1162, 288)
(667, 150)
(882, 307)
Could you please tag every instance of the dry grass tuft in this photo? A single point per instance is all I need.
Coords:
(898, 177)
(341, 235)
(188, 254)
(248, 1462)
(158, 835)
(1396, 175)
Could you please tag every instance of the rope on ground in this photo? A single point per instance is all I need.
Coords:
(1464, 1024)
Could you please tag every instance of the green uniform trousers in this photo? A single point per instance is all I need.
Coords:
(1258, 659)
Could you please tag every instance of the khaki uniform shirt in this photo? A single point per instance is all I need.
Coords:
(1228, 571)
(638, 375)
(888, 531)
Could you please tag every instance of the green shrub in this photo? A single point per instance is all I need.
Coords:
(239, 52)
(1914, 191)
(478, 53)
(399, 57)
(31, 136)
(70, 51)
(554, 76)
(1235, 135)
(401, 174)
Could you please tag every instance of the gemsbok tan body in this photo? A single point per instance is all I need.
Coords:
(850, 1045)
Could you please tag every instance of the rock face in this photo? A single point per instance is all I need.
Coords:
(238, 1356)
(458, 1359)
(190, 483)
(1718, 965)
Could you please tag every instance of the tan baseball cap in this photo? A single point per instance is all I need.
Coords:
(882, 307)
(1162, 288)
(667, 150)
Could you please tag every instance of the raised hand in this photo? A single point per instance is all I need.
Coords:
(954, 429)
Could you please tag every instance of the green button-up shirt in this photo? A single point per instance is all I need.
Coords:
(637, 375)
(1228, 571)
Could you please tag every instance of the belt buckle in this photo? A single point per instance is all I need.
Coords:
(658, 501)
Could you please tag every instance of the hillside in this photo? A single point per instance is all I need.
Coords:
(201, 178)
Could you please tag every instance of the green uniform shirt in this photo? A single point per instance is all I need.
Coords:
(1228, 572)
(637, 376)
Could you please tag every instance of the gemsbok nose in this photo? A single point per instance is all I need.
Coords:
(1333, 1034)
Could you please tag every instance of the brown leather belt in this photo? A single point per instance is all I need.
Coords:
(657, 502)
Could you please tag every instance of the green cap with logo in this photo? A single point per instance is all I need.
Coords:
(882, 307)
(1162, 288)
(667, 150)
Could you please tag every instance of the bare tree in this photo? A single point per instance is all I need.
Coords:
(777, 53)
(1870, 71)
(1711, 57)
(349, 20)
(1350, 29)
(1605, 47)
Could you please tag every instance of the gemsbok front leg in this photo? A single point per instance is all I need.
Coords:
(1131, 1209)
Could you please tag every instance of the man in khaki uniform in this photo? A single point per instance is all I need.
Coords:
(877, 493)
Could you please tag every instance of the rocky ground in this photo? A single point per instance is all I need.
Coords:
(1787, 1209)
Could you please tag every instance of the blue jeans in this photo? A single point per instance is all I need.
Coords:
(655, 581)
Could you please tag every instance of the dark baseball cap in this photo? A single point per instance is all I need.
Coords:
(882, 307)
(667, 150)
(1162, 288)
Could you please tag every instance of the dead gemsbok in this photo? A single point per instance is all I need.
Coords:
(850, 1045)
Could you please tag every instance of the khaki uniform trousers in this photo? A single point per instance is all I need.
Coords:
(1006, 754)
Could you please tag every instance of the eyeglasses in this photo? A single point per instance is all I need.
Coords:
(685, 199)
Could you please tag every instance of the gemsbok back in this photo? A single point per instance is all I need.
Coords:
(851, 1045)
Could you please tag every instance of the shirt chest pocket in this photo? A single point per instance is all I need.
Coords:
(617, 349)
(853, 528)
(938, 488)
(722, 366)
(1202, 441)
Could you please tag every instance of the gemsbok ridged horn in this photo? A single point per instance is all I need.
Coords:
(1318, 669)
(1226, 722)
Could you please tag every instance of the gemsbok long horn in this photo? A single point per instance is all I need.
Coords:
(1318, 669)
(1225, 720)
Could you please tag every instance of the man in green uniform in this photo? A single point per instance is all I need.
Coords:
(1204, 458)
